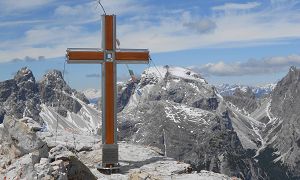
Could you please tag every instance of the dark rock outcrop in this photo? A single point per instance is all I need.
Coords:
(2, 114)
(55, 92)
(19, 97)
(181, 116)
(285, 115)
(275, 169)
(20, 134)
(243, 100)
(65, 162)
(124, 93)
(22, 96)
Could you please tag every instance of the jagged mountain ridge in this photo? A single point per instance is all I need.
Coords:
(259, 91)
(19, 96)
(182, 105)
(244, 100)
(278, 129)
(252, 118)
(180, 113)
(49, 101)
(47, 159)
(284, 120)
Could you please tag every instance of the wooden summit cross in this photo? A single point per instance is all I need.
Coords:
(108, 56)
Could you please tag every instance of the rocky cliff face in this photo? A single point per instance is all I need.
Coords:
(55, 92)
(173, 109)
(125, 91)
(275, 124)
(244, 100)
(284, 123)
(19, 97)
(180, 113)
(50, 102)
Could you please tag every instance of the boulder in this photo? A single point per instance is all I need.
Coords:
(65, 162)
(22, 138)
(22, 168)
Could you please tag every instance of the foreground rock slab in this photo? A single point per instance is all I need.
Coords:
(68, 155)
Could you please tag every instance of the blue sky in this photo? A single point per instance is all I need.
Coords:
(227, 41)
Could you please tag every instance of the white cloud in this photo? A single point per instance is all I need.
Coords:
(161, 31)
(66, 30)
(170, 34)
(250, 67)
(19, 22)
(30, 59)
(92, 10)
(10, 6)
(202, 26)
(51, 42)
(236, 6)
(82, 13)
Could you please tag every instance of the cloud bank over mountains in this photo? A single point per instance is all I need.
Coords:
(250, 67)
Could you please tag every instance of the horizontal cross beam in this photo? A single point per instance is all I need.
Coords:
(97, 56)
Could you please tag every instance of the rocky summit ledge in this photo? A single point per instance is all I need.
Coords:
(67, 155)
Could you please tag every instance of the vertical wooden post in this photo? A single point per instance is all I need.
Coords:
(109, 91)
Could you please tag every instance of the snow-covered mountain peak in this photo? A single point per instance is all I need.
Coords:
(24, 74)
(53, 75)
(54, 79)
(24, 71)
(176, 84)
(259, 91)
(267, 86)
(92, 93)
(176, 72)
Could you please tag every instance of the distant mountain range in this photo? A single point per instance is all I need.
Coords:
(224, 89)
(180, 113)
(259, 91)
(246, 132)
(93, 95)
(50, 102)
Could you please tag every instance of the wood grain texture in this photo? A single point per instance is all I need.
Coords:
(85, 55)
(109, 102)
(132, 56)
(109, 32)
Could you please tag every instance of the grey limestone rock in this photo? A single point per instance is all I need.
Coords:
(29, 156)
(285, 115)
(180, 114)
(22, 96)
(21, 135)
(243, 100)
(22, 168)
(55, 92)
(275, 121)
(65, 162)
(124, 93)
(19, 96)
